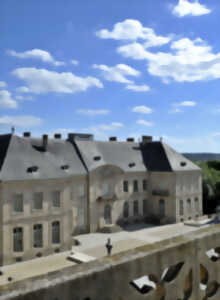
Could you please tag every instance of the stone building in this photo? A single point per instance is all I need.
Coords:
(51, 189)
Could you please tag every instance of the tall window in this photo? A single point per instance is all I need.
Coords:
(125, 186)
(136, 208)
(38, 200)
(197, 205)
(144, 185)
(145, 207)
(38, 235)
(162, 208)
(81, 190)
(105, 188)
(18, 205)
(56, 232)
(18, 239)
(189, 208)
(181, 208)
(135, 186)
(108, 214)
(56, 198)
(126, 210)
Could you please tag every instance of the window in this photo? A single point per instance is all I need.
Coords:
(105, 188)
(145, 207)
(189, 206)
(135, 185)
(18, 239)
(125, 186)
(38, 200)
(181, 208)
(126, 210)
(196, 204)
(162, 208)
(81, 190)
(144, 185)
(136, 208)
(56, 198)
(38, 235)
(108, 214)
(56, 232)
(18, 203)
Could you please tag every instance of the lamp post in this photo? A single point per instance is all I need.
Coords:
(109, 246)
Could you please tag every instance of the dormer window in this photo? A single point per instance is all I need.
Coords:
(131, 165)
(64, 167)
(96, 158)
(183, 163)
(32, 169)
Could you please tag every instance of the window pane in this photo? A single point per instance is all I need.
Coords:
(189, 206)
(18, 239)
(144, 185)
(56, 232)
(181, 208)
(135, 185)
(18, 203)
(136, 208)
(125, 186)
(38, 235)
(38, 200)
(56, 198)
(162, 208)
(126, 210)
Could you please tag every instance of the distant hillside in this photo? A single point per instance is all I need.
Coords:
(202, 156)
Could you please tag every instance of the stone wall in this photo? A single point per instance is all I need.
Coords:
(176, 266)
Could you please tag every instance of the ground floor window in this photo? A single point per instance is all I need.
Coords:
(108, 214)
(56, 232)
(181, 211)
(162, 207)
(38, 235)
(126, 210)
(189, 208)
(18, 239)
(136, 208)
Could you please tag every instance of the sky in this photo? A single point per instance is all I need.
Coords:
(122, 68)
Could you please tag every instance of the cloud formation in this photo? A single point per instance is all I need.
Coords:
(138, 88)
(142, 109)
(133, 30)
(2, 84)
(145, 123)
(117, 73)
(185, 8)
(6, 101)
(187, 103)
(188, 60)
(41, 81)
(93, 112)
(39, 54)
(74, 62)
(20, 121)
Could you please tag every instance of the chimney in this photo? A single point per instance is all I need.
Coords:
(130, 139)
(57, 136)
(113, 139)
(147, 139)
(71, 137)
(12, 130)
(26, 134)
(44, 141)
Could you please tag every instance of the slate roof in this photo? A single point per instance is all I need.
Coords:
(22, 155)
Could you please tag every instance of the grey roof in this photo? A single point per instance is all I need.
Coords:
(24, 153)
(121, 154)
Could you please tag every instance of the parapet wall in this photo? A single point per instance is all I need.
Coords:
(110, 278)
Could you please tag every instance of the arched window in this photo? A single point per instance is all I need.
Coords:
(56, 232)
(181, 211)
(108, 214)
(162, 208)
(126, 210)
(38, 235)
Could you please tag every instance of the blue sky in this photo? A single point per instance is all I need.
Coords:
(120, 68)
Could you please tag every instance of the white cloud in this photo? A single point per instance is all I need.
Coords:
(74, 62)
(132, 30)
(40, 81)
(93, 112)
(175, 111)
(188, 60)
(36, 54)
(2, 84)
(6, 101)
(20, 121)
(109, 127)
(142, 109)
(117, 73)
(138, 88)
(187, 103)
(22, 89)
(145, 123)
(185, 7)
(23, 98)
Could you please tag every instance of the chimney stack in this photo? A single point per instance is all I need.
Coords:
(26, 134)
(57, 136)
(12, 130)
(130, 139)
(113, 139)
(147, 139)
(45, 141)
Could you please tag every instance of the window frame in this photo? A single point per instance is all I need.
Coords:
(135, 186)
(34, 207)
(54, 231)
(18, 239)
(16, 203)
(56, 200)
(125, 186)
(36, 239)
